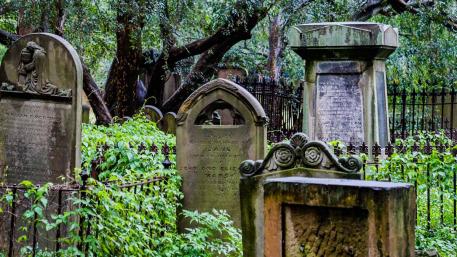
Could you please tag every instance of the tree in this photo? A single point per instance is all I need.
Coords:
(147, 39)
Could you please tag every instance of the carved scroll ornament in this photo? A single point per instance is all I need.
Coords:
(300, 152)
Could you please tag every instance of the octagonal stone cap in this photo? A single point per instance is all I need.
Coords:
(305, 38)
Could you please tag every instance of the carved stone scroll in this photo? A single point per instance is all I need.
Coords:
(300, 152)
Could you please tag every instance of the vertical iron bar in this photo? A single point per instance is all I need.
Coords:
(428, 197)
(12, 221)
(443, 100)
(59, 212)
(433, 109)
(413, 102)
(452, 113)
(424, 98)
(34, 238)
(455, 200)
(394, 102)
(403, 114)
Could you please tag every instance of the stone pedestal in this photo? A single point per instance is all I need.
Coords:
(345, 79)
(300, 157)
(338, 217)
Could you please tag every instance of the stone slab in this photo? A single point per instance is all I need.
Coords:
(40, 103)
(339, 108)
(337, 217)
(209, 149)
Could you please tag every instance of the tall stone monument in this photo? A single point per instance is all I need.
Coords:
(218, 126)
(345, 79)
(40, 110)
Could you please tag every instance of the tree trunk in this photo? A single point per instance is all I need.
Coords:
(125, 68)
(276, 46)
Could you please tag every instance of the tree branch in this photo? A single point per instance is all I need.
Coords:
(60, 17)
(92, 91)
(204, 68)
(7, 38)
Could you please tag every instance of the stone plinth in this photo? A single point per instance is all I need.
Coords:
(218, 126)
(300, 157)
(345, 94)
(40, 110)
(338, 217)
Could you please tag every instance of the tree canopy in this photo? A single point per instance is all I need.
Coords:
(122, 41)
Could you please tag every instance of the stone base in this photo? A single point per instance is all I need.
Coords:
(338, 217)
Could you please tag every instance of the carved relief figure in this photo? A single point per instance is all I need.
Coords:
(32, 71)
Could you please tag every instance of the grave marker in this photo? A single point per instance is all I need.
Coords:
(218, 126)
(345, 87)
(40, 109)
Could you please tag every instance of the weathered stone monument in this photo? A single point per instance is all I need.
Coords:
(338, 217)
(345, 91)
(301, 200)
(299, 157)
(218, 126)
(152, 113)
(168, 123)
(40, 109)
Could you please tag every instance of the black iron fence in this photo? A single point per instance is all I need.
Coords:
(282, 102)
(23, 217)
(413, 111)
(430, 166)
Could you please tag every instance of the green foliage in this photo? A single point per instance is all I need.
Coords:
(119, 148)
(128, 221)
(432, 174)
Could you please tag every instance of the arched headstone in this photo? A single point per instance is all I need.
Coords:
(218, 126)
(40, 109)
(152, 113)
(168, 123)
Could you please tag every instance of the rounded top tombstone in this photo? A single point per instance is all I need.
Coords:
(40, 109)
(61, 65)
(240, 98)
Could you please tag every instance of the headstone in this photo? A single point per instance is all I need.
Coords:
(338, 217)
(168, 123)
(171, 85)
(40, 109)
(209, 149)
(152, 113)
(345, 87)
(299, 157)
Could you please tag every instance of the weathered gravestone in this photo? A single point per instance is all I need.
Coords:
(40, 116)
(218, 126)
(168, 123)
(152, 113)
(40, 109)
(299, 157)
(338, 217)
(345, 91)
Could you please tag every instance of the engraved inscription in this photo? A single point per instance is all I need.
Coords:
(211, 174)
(34, 141)
(339, 111)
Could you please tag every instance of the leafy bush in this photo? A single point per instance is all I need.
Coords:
(432, 171)
(129, 221)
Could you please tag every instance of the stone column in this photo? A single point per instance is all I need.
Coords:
(345, 79)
